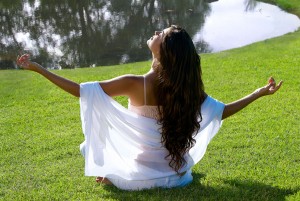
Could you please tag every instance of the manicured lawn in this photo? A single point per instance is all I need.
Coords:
(255, 156)
(292, 6)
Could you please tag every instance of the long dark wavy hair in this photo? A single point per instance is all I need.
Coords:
(180, 94)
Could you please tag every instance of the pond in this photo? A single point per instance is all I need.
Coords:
(68, 34)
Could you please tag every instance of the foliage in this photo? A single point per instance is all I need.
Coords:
(90, 32)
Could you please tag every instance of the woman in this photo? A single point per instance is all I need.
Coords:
(169, 122)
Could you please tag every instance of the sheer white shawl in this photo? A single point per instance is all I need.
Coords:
(121, 144)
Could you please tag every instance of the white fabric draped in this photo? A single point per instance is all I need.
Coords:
(121, 144)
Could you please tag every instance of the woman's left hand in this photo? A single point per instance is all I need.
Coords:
(270, 88)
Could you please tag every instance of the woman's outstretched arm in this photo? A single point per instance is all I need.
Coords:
(238, 105)
(65, 84)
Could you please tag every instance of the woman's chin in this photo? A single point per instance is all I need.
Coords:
(148, 44)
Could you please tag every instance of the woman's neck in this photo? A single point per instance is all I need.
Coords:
(155, 64)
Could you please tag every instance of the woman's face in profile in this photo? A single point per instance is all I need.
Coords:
(155, 41)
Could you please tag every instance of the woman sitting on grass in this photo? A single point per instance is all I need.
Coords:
(168, 124)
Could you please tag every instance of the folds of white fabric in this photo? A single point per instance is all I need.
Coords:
(121, 144)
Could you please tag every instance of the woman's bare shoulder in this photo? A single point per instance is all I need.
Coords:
(122, 85)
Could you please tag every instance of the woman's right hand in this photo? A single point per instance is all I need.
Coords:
(24, 62)
(67, 85)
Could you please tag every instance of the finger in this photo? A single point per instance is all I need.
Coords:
(24, 57)
(277, 87)
(18, 57)
(25, 64)
(21, 58)
(269, 85)
(271, 80)
(22, 61)
(19, 61)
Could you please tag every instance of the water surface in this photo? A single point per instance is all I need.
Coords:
(72, 33)
(236, 23)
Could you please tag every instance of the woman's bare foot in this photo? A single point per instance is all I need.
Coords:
(103, 180)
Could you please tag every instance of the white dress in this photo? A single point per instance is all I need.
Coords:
(126, 147)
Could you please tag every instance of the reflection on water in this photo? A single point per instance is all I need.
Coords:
(229, 26)
(96, 32)
(67, 33)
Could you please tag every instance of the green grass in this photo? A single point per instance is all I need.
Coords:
(255, 156)
(292, 6)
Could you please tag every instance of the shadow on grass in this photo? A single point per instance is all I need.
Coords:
(228, 190)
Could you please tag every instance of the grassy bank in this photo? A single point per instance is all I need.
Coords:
(292, 6)
(255, 156)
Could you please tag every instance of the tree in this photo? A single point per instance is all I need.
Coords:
(95, 32)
